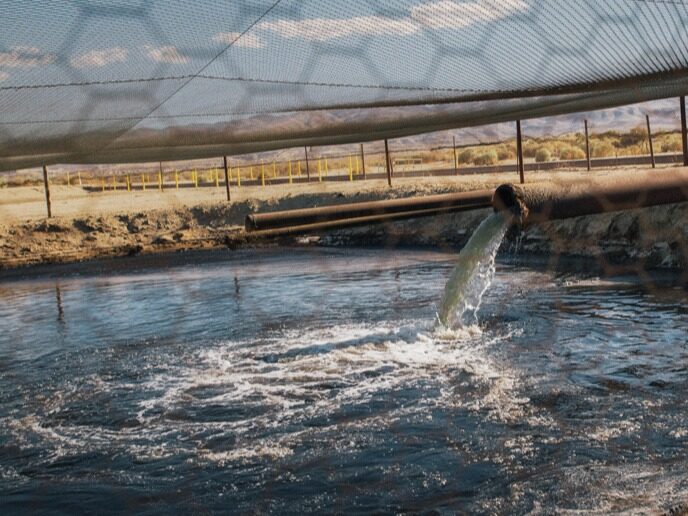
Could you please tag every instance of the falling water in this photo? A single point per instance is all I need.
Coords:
(472, 274)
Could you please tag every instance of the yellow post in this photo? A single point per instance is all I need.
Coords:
(102, 179)
(69, 181)
(319, 172)
(195, 177)
(160, 181)
(298, 164)
(128, 183)
(143, 182)
(262, 173)
(327, 169)
(250, 169)
(290, 172)
(114, 183)
(79, 175)
(238, 177)
(351, 170)
(176, 179)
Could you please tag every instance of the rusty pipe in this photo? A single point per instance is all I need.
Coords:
(369, 212)
(540, 202)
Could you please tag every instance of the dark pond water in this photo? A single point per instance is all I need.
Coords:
(313, 381)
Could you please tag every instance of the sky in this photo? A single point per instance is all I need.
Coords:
(266, 56)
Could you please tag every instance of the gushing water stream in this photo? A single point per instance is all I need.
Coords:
(472, 274)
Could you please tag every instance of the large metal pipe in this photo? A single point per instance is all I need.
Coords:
(390, 209)
(540, 202)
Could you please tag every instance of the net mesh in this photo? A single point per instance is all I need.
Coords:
(122, 81)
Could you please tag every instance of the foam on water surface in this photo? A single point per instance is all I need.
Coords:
(335, 389)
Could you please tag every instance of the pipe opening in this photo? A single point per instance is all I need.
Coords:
(508, 200)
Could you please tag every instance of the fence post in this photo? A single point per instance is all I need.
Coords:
(160, 177)
(176, 179)
(319, 171)
(290, 172)
(224, 160)
(587, 145)
(308, 169)
(684, 132)
(262, 173)
(143, 182)
(128, 183)
(363, 162)
(46, 186)
(389, 164)
(79, 176)
(519, 150)
(649, 139)
(456, 161)
(351, 169)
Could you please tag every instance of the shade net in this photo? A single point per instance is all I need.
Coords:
(124, 81)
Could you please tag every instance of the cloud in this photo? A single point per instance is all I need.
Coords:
(324, 29)
(167, 54)
(25, 57)
(247, 40)
(4, 76)
(99, 58)
(450, 14)
(433, 15)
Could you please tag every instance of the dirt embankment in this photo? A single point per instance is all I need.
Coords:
(179, 226)
(644, 238)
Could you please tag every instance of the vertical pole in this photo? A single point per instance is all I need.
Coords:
(389, 164)
(176, 179)
(46, 185)
(224, 159)
(351, 169)
(290, 172)
(308, 170)
(456, 161)
(587, 145)
(519, 150)
(238, 177)
(363, 162)
(649, 139)
(160, 177)
(79, 176)
(684, 133)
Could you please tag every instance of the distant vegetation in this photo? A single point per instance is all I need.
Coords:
(542, 149)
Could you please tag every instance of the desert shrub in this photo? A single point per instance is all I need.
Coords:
(603, 149)
(466, 156)
(672, 144)
(486, 158)
(571, 153)
(542, 155)
(504, 152)
(634, 137)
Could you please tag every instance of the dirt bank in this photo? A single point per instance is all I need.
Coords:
(119, 224)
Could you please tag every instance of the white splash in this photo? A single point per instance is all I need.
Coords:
(472, 274)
